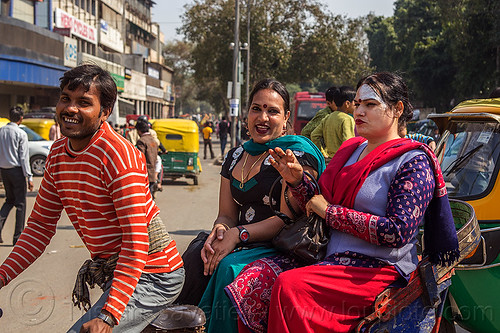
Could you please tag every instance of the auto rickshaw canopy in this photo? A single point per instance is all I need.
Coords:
(178, 135)
(40, 125)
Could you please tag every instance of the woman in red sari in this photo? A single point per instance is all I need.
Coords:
(376, 192)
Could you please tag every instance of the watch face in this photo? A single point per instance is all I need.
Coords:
(244, 235)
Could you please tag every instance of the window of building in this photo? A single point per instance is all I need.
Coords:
(42, 14)
(23, 10)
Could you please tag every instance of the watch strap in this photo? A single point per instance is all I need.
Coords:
(107, 319)
(244, 235)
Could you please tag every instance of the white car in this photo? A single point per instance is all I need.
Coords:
(38, 149)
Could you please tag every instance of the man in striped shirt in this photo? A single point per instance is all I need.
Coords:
(101, 181)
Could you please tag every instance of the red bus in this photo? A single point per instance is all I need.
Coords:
(304, 106)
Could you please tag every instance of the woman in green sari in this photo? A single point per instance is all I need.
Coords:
(245, 224)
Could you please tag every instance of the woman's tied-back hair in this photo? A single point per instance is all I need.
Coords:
(391, 89)
(273, 85)
(88, 74)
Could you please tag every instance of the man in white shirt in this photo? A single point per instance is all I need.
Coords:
(14, 169)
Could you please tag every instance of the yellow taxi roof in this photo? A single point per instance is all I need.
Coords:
(490, 105)
(474, 109)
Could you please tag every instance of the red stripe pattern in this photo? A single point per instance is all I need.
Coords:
(104, 191)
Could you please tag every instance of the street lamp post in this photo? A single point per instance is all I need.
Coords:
(236, 50)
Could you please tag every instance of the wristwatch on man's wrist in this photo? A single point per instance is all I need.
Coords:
(107, 319)
(244, 235)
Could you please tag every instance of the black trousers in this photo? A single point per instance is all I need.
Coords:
(15, 196)
(208, 142)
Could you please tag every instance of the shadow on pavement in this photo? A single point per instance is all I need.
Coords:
(187, 232)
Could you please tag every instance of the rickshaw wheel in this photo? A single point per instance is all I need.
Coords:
(195, 180)
(446, 326)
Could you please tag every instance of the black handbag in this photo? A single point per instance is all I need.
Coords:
(304, 238)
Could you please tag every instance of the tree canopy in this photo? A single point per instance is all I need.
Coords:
(296, 42)
(447, 50)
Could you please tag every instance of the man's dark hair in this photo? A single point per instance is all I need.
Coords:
(330, 93)
(16, 113)
(88, 74)
(343, 94)
(142, 127)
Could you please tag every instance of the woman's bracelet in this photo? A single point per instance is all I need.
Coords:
(224, 225)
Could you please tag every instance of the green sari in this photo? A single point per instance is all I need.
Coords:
(220, 313)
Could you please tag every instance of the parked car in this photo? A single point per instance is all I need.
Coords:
(38, 148)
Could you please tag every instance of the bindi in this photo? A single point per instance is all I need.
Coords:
(264, 106)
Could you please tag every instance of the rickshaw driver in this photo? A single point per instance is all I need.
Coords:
(101, 181)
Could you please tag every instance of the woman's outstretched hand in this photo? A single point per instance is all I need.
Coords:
(287, 165)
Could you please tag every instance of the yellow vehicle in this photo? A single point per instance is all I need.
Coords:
(181, 139)
(469, 154)
(4, 121)
(40, 125)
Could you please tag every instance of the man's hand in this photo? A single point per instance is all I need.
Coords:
(30, 185)
(96, 325)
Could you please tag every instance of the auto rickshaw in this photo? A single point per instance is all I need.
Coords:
(468, 152)
(40, 125)
(180, 137)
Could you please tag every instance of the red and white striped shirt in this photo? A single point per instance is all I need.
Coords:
(104, 190)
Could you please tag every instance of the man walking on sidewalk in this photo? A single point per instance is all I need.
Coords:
(15, 169)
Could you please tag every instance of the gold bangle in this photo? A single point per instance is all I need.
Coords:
(226, 227)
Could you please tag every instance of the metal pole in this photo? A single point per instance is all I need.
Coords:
(247, 90)
(236, 51)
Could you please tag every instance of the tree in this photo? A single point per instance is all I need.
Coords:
(293, 41)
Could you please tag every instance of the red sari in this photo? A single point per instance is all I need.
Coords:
(333, 298)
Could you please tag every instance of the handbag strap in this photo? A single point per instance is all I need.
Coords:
(281, 215)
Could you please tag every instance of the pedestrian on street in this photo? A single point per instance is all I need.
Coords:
(338, 126)
(207, 140)
(55, 131)
(318, 117)
(14, 169)
(101, 182)
(148, 146)
(223, 130)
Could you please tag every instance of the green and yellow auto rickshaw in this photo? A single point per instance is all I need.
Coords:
(469, 150)
(180, 137)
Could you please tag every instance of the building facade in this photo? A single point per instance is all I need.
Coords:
(40, 40)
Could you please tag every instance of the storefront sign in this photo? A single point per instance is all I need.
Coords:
(70, 52)
(110, 37)
(78, 27)
(154, 92)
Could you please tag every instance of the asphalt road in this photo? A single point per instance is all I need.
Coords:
(39, 300)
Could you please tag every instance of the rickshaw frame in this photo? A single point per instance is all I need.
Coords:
(471, 302)
(180, 137)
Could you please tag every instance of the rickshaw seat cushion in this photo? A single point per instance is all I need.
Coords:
(176, 317)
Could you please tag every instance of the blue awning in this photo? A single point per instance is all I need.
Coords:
(19, 69)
